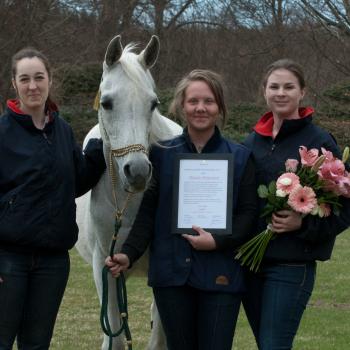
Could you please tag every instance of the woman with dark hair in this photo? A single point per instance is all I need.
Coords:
(42, 170)
(279, 292)
(196, 282)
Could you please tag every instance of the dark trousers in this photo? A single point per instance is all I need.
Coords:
(275, 302)
(31, 290)
(197, 320)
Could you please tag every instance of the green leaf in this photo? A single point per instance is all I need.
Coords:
(267, 210)
(263, 191)
(272, 187)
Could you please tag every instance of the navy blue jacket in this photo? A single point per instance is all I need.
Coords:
(315, 239)
(173, 261)
(41, 173)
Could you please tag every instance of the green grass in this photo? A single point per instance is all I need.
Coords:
(325, 325)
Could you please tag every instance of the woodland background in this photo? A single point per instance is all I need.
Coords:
(235, 38)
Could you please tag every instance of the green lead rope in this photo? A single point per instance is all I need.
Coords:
(121, 297)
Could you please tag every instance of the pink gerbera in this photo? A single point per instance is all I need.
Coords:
(302, 199)
(287, 182)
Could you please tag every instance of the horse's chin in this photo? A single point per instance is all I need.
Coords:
(133, 189)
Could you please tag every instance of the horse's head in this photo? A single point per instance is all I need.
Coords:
(127, 102)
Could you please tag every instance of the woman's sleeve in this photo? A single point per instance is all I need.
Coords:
(244, 217)
(89, 165)
(142, 230)
(315, 229)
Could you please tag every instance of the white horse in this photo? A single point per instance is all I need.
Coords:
(128, 122)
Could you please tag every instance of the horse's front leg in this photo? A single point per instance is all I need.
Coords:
(113, 311)
(157, 340)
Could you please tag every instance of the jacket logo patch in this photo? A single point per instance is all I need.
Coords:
(222, 280)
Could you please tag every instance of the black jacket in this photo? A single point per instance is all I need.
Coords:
(41, 173)
(315, 239)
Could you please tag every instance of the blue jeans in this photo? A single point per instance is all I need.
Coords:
(197, 320)
(31, 290)
(275, 301)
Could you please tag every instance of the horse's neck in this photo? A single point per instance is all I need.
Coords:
(163, 128)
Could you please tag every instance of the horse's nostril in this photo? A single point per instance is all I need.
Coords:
(137, 173)
(127, 171)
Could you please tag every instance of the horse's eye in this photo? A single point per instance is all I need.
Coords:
(154, 104)
(107, 104)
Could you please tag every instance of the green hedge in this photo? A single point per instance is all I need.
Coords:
(240, 122)
(78, 86)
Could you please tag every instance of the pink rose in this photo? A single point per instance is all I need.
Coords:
(308, 157)
(292, 165)
(287, 182)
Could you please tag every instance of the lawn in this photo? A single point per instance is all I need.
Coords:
(325, 325)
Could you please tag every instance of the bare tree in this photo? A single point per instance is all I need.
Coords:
(23, 23)
(333, 15)
(114, 17)
(330, 19)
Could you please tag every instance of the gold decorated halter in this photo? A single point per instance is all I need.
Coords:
(119, 152)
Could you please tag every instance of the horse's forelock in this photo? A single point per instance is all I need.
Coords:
(134, 69)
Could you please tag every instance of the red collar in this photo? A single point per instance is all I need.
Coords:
(265, 124)
(13, 105)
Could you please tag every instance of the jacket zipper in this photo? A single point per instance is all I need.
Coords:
(46, 138)
(272, 148)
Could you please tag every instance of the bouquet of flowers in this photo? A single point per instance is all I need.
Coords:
(312, 187)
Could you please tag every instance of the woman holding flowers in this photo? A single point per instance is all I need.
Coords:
(312, 201)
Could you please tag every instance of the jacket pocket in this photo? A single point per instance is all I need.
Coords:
(13, 211)
(6, 205)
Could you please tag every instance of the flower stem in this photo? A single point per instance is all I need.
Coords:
(252, 252)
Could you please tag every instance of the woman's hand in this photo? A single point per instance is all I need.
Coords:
(203, 241)
(119, 262)
(286, 221)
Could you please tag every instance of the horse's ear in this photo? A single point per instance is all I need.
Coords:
(149, 55)
(114, 51)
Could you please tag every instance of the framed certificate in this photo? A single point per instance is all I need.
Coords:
(203, 188)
